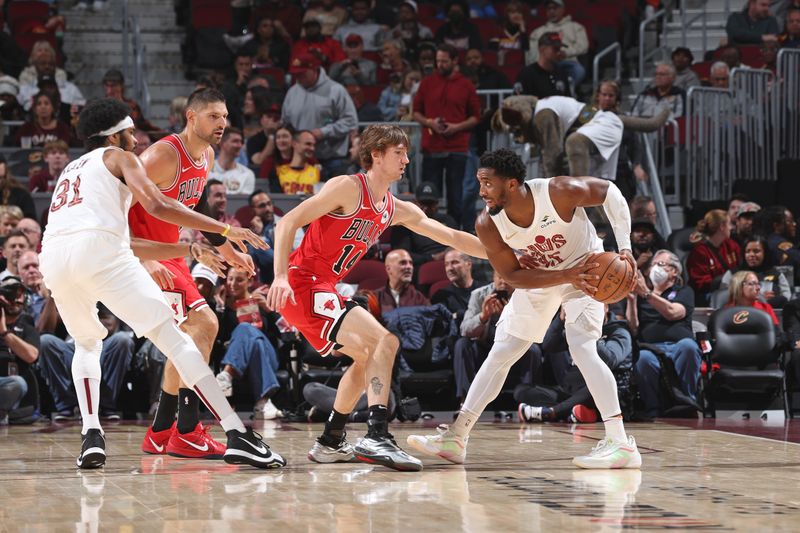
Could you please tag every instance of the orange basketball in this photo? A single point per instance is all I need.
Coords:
(616, 276)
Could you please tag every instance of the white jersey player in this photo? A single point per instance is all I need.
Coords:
(543, 222)
(87, 258)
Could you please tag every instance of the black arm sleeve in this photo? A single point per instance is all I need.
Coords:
(202, 207)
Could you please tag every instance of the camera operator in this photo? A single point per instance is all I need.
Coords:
(477, 330)
(19, 340)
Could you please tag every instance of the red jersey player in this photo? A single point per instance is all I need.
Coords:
(346, 217)
(178, 165)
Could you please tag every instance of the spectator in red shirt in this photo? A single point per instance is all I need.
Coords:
(44, 125)
(447, 106)
(713, 254)
(56, 155)
(327, 49)
(399, 291)
(744, 291)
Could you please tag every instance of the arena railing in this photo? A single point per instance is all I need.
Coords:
(755, 143)
(711, 168)
(652, 188)
(666, 148)
(645, 56)
(134, 58)
(788, 103)
(617, 50)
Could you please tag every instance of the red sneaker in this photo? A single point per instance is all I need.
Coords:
(583, 414)
(197, 444)
(155, 442)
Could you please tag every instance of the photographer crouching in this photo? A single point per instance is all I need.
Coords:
(19, 349)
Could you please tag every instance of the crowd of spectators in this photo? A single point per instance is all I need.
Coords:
(299, 84)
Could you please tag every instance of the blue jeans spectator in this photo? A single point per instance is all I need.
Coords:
(12, 390)
(253, 357)
(55, 364)
(450, 166)
(685, 354)
(573, 70)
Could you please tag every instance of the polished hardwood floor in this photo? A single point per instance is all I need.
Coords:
(697, 476)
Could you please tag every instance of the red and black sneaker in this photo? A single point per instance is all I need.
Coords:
(583, 414)
(197, 444)
(155, 442)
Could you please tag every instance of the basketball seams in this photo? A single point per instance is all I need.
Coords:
(624, 274)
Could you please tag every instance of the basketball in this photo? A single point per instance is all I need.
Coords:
(616, 276)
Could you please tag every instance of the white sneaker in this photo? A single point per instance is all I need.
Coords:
(266, 410)
(225, 381)
(446, 445)
(609, 453)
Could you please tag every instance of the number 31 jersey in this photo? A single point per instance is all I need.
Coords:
(88, 197)
(334, 243)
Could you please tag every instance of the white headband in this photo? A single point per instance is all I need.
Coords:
(123, 124)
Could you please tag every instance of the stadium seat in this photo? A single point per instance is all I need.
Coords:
(431, 272)
(436, 287)
(743, 340)
(487, 28)
(367, 274)
(372, 93)
(276, 75)
(211, 14)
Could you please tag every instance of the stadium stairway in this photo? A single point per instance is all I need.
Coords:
(93, 44)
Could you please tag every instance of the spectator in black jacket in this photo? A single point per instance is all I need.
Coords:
(458, 31)
(543, 79)
(455, 297)
(421, 248)
(752, 25)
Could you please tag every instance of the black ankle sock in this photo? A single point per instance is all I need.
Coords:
(188, 410)
(165, 414)
(377, 421)
(334, 428)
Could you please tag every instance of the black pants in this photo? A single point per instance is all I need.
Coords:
(561, 399)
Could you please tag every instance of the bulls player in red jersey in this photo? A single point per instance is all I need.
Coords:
(346, 217)
(178, 164)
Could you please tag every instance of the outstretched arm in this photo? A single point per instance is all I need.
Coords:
(412, 217)
(505, 262)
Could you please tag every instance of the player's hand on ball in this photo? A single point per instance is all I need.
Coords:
(160, 274)
(243, 236)
(279, 292)
(581, 280)
(628, 256)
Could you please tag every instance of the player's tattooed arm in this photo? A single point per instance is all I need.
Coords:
(412, 217)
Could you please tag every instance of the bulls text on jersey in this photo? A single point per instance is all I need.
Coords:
(191, 189)
(360, 230)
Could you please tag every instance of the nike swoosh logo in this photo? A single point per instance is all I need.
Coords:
(260, 449)
(203, 448)
(509, 236)
(158, 448)
(187, 169)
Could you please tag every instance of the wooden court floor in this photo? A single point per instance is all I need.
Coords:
(696, 477)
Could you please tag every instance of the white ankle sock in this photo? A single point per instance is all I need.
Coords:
(615, 429)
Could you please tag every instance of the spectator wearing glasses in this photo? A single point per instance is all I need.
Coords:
(745, 291)
(775, 290)
(662, 93)
(661, 314)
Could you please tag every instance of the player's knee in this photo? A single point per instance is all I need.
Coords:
(390, 343)
(209, 323)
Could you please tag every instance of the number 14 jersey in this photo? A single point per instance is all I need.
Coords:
(334, 243)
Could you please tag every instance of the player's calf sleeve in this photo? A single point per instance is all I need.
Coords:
(599, 378)
(489, 380)
(86, 374)
(195, 373)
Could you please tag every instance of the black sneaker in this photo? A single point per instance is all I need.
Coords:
(93, 450)
(248, 448)
(110, 416)
(383, 450)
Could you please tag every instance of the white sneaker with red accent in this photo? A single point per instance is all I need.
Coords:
(445, 444)
(609, 453)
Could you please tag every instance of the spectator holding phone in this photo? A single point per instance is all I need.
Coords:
(477, 330)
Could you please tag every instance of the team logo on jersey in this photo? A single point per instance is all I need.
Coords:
(546, 221)
(329, 305)
(365, 231)
(191, 189)
(544, 252)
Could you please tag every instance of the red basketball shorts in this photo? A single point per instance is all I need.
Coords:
(185, 296)
(318, 311)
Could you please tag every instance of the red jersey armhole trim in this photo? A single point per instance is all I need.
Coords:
(358, 207)
(363, 179)
(177, 166)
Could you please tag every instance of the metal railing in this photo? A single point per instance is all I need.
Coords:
(754, 133)
(613, 47)
(652, 188)
(710, 163)
(787, 102)
(134, 58)
(666, 153)
(645, 56)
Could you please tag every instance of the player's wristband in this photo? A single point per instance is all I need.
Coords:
(227, 230)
